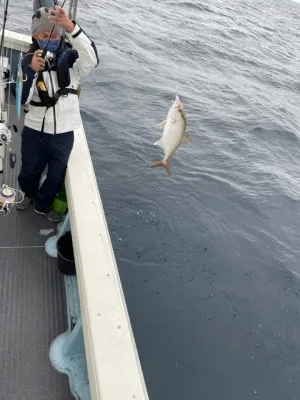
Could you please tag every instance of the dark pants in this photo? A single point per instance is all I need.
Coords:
(38, 151)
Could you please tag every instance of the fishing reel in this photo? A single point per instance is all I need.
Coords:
(8, 198)
(5, 140)
(47, 55)
(5, 79)
(50, 58)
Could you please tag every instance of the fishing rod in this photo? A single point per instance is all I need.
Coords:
(43, 55)
(4, 71)
(3, 26)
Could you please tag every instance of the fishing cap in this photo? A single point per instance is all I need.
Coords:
(41, 22)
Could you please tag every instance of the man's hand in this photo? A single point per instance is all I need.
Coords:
(37, 63)
(60, 18)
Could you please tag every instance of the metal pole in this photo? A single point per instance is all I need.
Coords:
(70, 8)
(73, 9)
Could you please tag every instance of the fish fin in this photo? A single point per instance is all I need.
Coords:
(186, 138)
(162, 163)
(162, 124)
(158, 143)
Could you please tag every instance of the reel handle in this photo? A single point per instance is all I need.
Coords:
(43, 55)
(1, 157)
(12, 160)
(44, 52)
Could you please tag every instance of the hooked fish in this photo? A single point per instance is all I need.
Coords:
(174, 133)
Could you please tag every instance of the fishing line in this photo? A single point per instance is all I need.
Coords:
(113, 121)
(97, 83)
(110, 99)
(43, 55)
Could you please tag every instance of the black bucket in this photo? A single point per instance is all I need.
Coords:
(65, 255)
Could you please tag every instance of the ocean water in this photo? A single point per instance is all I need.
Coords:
(208, 257)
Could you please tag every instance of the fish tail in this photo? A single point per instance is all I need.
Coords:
(162, 163)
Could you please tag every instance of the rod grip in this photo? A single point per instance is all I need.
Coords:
(12, 160)
(1, 157)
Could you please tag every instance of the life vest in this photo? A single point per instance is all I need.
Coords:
(63, 78)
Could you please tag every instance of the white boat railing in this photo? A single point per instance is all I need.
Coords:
(16, 41)
(113, 364)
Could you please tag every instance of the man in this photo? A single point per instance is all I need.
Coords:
(51, 90)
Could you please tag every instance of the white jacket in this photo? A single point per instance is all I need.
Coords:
(65, 115)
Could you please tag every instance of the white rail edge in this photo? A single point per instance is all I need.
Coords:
(113, 364)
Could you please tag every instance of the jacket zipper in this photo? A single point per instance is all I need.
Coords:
(54, 114)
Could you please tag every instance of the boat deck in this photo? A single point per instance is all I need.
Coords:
(32, 302)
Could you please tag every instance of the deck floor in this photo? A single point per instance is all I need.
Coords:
(32, 303)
